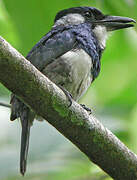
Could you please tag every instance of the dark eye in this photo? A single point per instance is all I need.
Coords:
(88, 14)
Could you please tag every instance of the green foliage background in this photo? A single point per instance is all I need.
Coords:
(113, 95)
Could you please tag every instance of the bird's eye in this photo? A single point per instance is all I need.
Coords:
(88, 14)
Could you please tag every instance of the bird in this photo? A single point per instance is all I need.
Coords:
(70, 56)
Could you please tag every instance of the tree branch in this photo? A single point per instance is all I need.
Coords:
(49, 102)
(5, 105)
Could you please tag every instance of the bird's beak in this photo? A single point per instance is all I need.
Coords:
(116, 22)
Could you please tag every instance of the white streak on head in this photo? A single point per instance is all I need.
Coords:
(101, 35)
(70, 19)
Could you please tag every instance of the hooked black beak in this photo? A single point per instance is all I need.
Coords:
(116, 22)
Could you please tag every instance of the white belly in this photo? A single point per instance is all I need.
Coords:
(73, 71)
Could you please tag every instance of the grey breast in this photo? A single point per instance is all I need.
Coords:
(72, 71)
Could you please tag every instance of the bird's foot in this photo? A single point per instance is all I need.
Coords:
(86, 108)
(68, 94)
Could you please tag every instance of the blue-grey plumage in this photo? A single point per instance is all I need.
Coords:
(69, 55)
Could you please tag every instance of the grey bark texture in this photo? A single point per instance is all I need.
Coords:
(48, 101)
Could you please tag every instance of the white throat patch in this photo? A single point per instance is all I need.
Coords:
(101, 34)
(70, 19)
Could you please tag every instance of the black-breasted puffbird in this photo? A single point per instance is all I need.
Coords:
(69, 55)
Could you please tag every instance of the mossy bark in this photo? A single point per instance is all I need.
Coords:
(49, 102)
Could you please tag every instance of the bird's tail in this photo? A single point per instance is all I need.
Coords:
(20, 110)
(24, 143)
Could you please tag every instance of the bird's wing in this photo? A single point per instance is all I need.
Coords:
(54, 44)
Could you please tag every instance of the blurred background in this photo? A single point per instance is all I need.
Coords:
(113, 96)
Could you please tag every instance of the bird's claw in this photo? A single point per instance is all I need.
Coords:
(86, 108)
(68, 94)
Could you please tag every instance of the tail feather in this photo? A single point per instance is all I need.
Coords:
(20, 110)
(24, 144)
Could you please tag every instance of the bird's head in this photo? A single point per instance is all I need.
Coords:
(101, 24)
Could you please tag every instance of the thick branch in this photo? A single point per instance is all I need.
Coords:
(48, 101)
(5, 105)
